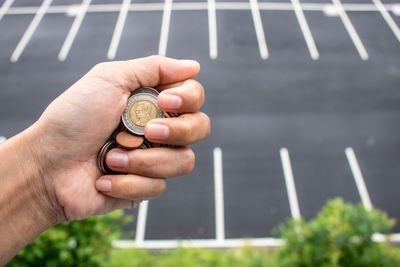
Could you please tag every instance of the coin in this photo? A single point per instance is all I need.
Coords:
(141, 108)
(128, 140)
(141, 112)
(110, 144)
(146, 90)
(171, 114)
(146, 144)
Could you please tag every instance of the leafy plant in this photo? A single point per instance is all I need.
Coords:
(78, 243)
(193, 257)
(340, 235)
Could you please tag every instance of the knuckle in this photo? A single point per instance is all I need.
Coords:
(155, 58)
(100, 67)
(186, 129)
(159, 186)
(106, 72)
(199, 93)
(188, 161)
(141, 163)
(207, 123)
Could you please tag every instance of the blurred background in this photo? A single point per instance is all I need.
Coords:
(304, 100)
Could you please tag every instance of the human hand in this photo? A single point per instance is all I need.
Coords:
(73, 128)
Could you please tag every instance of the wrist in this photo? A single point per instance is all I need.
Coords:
(27, 206)
(35, 167)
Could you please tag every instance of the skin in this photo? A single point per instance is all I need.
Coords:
(50, 174)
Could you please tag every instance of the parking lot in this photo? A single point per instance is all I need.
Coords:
(304, 99)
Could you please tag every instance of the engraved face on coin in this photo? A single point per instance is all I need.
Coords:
(141, 112)
(141, 108)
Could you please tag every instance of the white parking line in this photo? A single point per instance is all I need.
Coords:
(182, 6)
(262, 43)
(219, 196)
(358, 178)
(211, 6)
(395, 9)
(30, 30)
(162, 48)
(141, 223)
(350, 29)
(290, 185)
(212, 29)
(389, 20)
(202, 243)
(228, 243)
(312, 48)
(112, 51)
(74, 30)
(5, 7)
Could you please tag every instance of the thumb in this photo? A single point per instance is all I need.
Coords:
(149, 71)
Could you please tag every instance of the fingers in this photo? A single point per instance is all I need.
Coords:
(183, 130)
(185, 97)
(147, 167)
(155, 162)
(149, 71)
(132, 187)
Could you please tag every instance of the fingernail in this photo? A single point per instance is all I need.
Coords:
(157, 131)
(170, 101)
(103, 185)
(117, 159)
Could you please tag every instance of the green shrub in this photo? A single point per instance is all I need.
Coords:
(193, 257)
(340, 235)
(78, 243)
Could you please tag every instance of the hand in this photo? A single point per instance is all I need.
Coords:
(73, 128)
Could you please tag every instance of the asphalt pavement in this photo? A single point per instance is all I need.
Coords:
(314, 108)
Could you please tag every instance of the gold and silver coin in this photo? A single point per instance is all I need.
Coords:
(146, 90)
(141, 108)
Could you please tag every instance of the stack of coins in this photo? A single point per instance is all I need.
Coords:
(141, 108)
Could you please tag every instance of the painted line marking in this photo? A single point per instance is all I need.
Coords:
(290, 185)
(312, 48)
(123, 13)
(395, 9)
(358, 178)
(212, 28)
(162, 48)
(5, 7)
(141, 223)
(30, 30)
(219, 196)
(140, 7)
(2, 139)
(278, 6)
(389, 20)
(201, 243)
(262, 43)
(73, 30)
(350, 30)
(228, 243)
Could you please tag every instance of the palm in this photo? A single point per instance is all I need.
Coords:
(79, 134)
